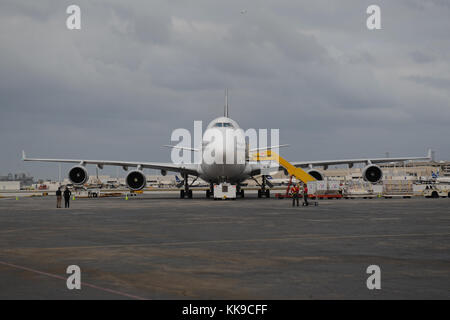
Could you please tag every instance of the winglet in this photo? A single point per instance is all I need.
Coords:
(24, 157)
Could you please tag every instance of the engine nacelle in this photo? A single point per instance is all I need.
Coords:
(315, 174)
(372, 173)
(136, 180)
(78, 175)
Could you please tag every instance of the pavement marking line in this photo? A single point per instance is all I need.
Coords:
(82, 283)
(288, 238)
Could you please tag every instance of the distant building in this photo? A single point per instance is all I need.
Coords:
(22, 177)
(9, 185)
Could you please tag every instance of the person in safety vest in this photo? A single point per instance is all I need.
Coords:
(295, 192)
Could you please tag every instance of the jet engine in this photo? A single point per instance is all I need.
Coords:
(78, 175)
(136, 180)
(316, 174)
(372, 173)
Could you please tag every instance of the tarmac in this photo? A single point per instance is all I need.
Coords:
(160, 247)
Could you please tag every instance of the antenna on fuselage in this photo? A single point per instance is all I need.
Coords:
(225, 110)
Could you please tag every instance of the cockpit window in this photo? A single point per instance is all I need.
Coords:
(223, 124)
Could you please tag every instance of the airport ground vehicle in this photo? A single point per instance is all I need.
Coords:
(224, 191)
(93, 193)
(437, 190)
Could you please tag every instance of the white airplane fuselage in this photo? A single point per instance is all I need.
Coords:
(226, 166)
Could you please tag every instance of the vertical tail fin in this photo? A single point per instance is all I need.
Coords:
(225, 110)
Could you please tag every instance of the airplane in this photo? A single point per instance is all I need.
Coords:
(280, 181)
(213, 173)
(178, 181)
(164, 183)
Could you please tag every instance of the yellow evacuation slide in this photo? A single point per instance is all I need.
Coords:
(270, 155)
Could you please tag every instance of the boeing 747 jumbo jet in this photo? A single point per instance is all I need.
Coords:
(213, 173)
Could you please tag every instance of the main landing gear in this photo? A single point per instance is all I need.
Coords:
(186, 193)
(210, 192)
(263, 192)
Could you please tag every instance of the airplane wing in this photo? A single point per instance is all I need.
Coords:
(268, 148)
(350, 162)
(191, 169)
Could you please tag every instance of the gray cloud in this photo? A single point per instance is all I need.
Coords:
(137, 70)
(434, 82)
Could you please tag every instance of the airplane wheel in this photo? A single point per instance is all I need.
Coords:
(267, 193)
(208, 194)
(242, 194)
(190, 194)
(181, 194)
(259, 194)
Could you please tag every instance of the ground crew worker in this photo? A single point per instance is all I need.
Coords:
(305, 195)
(67, 195)
(58, 197)
(295, 191)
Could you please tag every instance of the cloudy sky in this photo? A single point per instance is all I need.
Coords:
(139, 69)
